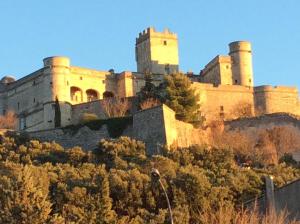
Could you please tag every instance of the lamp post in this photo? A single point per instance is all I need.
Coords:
(156, 176)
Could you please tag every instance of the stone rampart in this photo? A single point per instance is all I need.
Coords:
(84, 137)
(264, 122)
(157, 127)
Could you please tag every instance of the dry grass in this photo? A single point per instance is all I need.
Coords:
(228, 215)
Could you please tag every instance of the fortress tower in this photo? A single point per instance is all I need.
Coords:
(241, 57)
(157, 52)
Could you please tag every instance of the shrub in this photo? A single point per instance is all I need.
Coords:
(8, 121)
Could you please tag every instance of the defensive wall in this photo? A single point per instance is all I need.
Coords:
(84, 137)
(155, 126)
(227, 101)
(158, 126)
(221, 101)
(264, 122)
(273, 99)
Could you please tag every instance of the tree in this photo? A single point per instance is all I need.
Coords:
(8, 121)
(182, 98)
(57, 114)
(115, 106)
(149, 103)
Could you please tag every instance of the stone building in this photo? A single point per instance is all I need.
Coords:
(58, 93)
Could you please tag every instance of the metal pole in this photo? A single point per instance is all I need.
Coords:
(168, 201)
(269, 196)
(156, 175)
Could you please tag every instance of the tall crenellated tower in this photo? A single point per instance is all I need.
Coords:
(157, 52)
(241, 57)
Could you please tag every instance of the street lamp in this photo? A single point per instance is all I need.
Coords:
(156, 176)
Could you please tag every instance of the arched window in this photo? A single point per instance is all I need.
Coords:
(76, 94)
(91, 95)
(107, 94)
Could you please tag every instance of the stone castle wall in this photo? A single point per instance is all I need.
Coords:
(223, 101)
(85, 138)
(275, 99)
(157, 127)
(226, 101)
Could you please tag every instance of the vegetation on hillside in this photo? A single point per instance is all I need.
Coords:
(44, 183)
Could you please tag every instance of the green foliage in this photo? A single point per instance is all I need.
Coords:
(181, 97)
(45, 183)
(176, 92)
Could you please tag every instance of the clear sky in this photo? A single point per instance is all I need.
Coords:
(101, 34)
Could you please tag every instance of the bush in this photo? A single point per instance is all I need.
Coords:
(47, 183)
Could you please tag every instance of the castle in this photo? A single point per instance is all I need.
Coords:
(225, 85)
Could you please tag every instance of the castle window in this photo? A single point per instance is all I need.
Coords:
(167, 68)
(107, 94)
(33, 82)
(222, 115)
(67, 83)
(249, 80)
(34, 100)
(235, 81)
(22, 123)
(80, 77)
(91, 95)
(4, 112)
(165, 43)
(18, 105)
(76, 94)
(103, 81)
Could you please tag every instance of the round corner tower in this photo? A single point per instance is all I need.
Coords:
(56, 71)
(241, 57)
(57, 68)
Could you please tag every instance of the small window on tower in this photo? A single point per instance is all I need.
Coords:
(249, 80)
(165, 43)
(80, 77)
(235, 81)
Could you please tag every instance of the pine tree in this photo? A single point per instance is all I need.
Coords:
(182, 98)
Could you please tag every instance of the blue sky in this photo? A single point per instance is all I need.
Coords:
(101, 34)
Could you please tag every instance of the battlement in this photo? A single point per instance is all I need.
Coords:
(269, 88)
(238, 46)
(226, 88)
(151, 32)
(56, 61)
